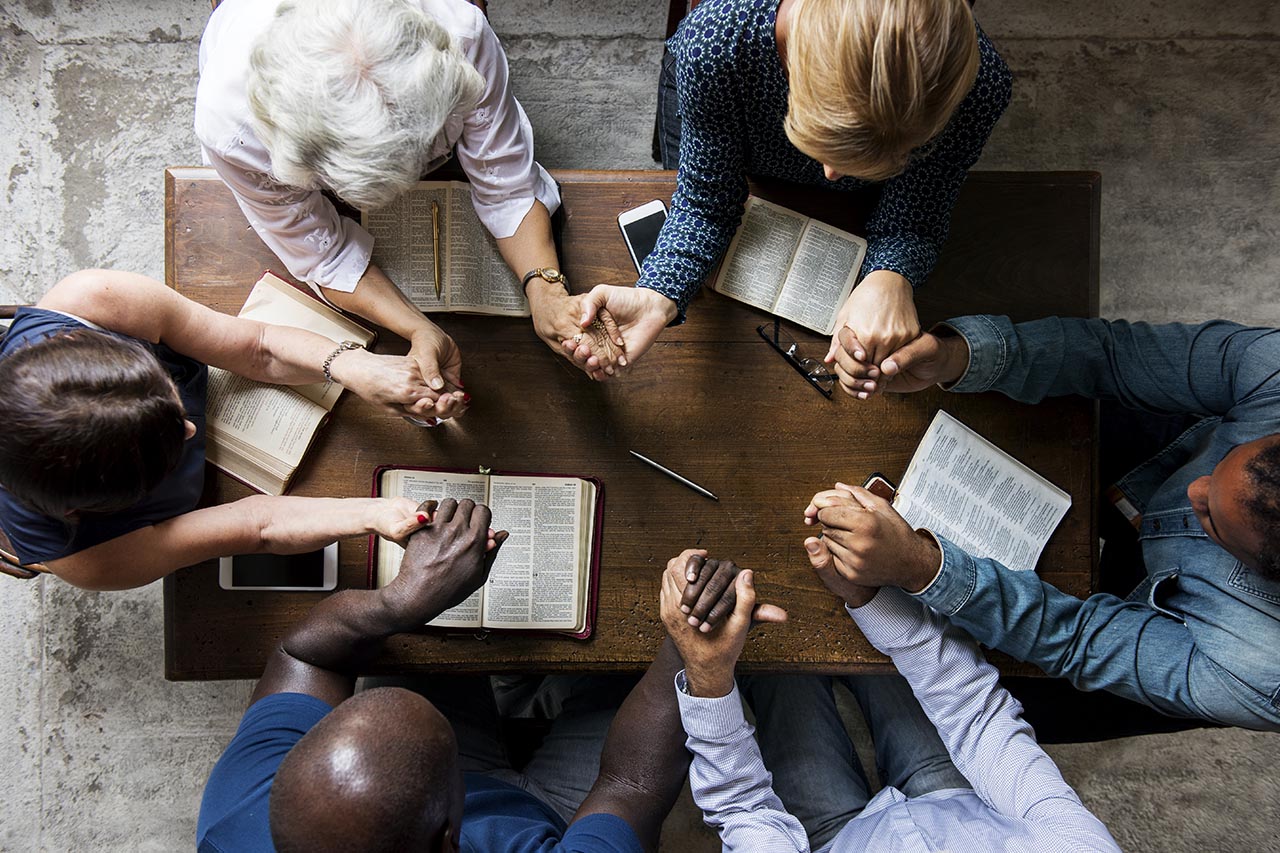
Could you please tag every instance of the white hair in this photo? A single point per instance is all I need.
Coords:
(348, 95)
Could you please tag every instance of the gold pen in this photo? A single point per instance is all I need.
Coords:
(435, 238)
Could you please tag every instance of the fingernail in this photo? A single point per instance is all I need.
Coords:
(748, 578)
(684, 608)
(422, 519)
(460, 385)
(812, 547)
(437, 383)
(859, 355)
(466, 398)
(873, 373)
(622, 359)
(862, 395)
(704, 628)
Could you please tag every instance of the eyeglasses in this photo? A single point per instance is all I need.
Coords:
(814, 370)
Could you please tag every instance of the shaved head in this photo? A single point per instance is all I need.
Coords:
(379, 773)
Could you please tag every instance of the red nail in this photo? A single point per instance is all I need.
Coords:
(466, 398)
(422, 519)
(460, 385)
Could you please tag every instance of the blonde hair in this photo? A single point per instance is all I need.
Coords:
(872, 80)
(349, 95)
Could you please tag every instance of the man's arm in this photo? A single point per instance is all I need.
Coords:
(445, 561)
(643, 762)
(728, 777)
(1100, 643)
(978, 720)
(1175, 368)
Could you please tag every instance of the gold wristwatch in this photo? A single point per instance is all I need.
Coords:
(550, 274)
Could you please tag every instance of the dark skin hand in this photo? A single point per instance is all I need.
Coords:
(710, 591)
(710, 657)
(446, 560)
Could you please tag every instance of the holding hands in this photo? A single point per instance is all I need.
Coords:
(557, 318)
(697, 593)
(877, 319)
(640, 314)
(447, 558)
(396, 384)
(869, 544)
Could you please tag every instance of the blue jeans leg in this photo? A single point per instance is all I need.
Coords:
(566, 764)
(909, 754)
(668, 113)
(816, 772)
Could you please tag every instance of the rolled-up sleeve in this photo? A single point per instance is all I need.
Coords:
(302, 227)
(496, 147)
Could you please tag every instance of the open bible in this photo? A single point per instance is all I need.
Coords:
(799, 268)
(258, 433)
(545, 577)
(473, 276)
(963, 487)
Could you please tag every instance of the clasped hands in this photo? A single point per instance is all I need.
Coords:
(709, 605)
(425, 384)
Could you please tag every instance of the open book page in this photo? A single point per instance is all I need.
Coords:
(822, 275)
(535, 582)
(419, 486)
(275, 301)
(760, 254)
(963, 487)
(479, 279)
(276, 420)
(404, 243)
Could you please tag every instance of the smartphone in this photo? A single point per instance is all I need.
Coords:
(640, 227)
(312, 571)
(877, 485)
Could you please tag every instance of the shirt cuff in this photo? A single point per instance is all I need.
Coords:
(709, 719)
(888, 617)
(990, 346)
(911, 257)
(679, 296)
(955, 583)
(502, 218)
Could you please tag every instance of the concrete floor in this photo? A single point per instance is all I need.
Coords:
(1177, 103)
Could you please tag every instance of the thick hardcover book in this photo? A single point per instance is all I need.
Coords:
(259, 433)
(546, 578)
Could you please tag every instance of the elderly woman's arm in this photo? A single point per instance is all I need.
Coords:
(143, 308)
(253, 525)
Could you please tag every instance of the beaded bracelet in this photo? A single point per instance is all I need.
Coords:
(342, 347)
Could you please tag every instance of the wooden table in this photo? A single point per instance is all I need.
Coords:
(710, 400)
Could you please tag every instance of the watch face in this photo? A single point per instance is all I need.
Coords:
(552, 274)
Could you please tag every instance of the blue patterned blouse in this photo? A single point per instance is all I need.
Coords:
(733, 100)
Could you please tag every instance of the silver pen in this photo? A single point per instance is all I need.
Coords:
(674, 475)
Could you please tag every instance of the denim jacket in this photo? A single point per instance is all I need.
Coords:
(1200, 637)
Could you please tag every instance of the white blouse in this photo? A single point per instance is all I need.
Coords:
(494, 143)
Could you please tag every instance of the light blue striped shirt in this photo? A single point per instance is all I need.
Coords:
(1019, 800)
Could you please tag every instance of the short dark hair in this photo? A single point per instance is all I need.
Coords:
(1263, 503)
(91, 422)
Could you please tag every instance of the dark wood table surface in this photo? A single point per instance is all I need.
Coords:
(710, 400)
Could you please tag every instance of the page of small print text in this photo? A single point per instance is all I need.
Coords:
(478, 276)
(821, 277)
(765, 243)
(276, 420)
(535, 579)
(404, 244)
(962, 487)
(419, 486)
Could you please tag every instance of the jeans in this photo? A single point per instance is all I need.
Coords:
(668, 132)
(564, 767)
(1197, 636)
(816, 772)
